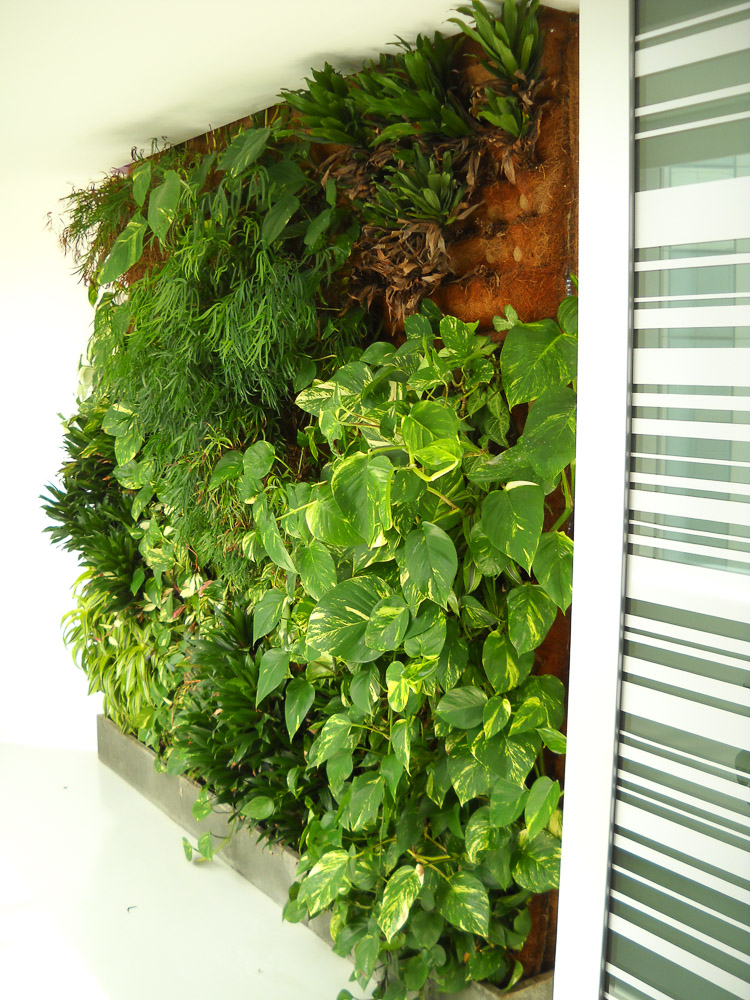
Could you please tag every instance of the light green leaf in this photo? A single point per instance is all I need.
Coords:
(541, 703)
(537, 866)
(391, 769)
(338, 768)
(270, 536)
(549, 434)
(536, 357)
(187, 848)
(324, 881)
(431, 562)
(227, 468)
(494, 418)
(453, 657)
(428, 421)
(440, 456)
(567, 315)
(541, 803)
(495, 715)
(273, 669)
(328, 524)
(338, 622)
(507, 800)
(317, 569)
(512, 519)
(388, 623)
(317, 227)
(479, 834)
(128, 444)
(202, 806)
(332, 739)
(366, 953)
(126, 251)
(162, 205)
(509, 757)
(361, 487)
(553, 739)
(258, 459)
(466, 904)
(401, 742)
(363, 801)
(399, 895)
(553, 567)
(489, 560)
(244, 149)
(458, 337)
(300, 695)
(141, 181)
(267, 613)
(258, 808)
(504, 667)
(426, 633)
(468, 776)
(397, 686)
(278, 216)
(417, 326)
(462, 707)
(426, 927)
(365, 689)
(530, 616)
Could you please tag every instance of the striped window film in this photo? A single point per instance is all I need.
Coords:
(679, 901)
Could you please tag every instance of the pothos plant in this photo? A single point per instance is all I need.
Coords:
(400, 599)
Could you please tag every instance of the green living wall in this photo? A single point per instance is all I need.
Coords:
(323, 528)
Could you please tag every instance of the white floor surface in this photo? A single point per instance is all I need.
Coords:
(97, 900)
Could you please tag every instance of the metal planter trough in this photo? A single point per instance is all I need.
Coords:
(271, 869)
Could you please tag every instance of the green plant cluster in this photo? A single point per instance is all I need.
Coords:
(378, 704)
(315, 567)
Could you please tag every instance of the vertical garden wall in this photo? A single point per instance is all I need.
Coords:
(320, 484)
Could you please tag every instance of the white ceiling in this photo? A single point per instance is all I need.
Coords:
(86, 80)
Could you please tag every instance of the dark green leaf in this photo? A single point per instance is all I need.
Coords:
(488, 559)
(162, 205)
(541, 703)
(567, 315)
(507, 801)
(431, 562)
(426, 928)
(541, 803)
(244, 149)
(364, 799)
(227, 468)
(462, 707)
(504, 666)
(270, 536)
(258, 808)
(365, 688)
(391, 769)
(317, 227)
(278, 216)
(416, 973)
(512, 519)
(126, 251)
(273, 669)
(317, 569)
(141, 181)
(267, 613)
(299, 698)
(550, 432)
(453, 657)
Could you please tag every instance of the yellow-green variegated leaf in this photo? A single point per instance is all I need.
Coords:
(322, 885)
(513, 518)
(361, 487)
(466, 905)
(536, 866)
(504, 666)
(388, 624)
(400, 892)
(530, 616)
(339, 621)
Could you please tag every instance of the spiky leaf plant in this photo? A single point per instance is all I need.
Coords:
(511, 42)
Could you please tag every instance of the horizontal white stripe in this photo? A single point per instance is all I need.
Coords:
(692, 366)
(691, 429)
(690, 682)
(710, 911)
(697, 508)
(690, 482)
(638, 984)
(730, 259)
(670, 921)
(681, 634)
(691, 22)
(693, 298)
(682, 804)
(675, 646)
(682, 868)
(689, 317)
(690, 716)
(695, 48)
(692, 401)
(688, 535)
(689, 588)
(683, 771)
(683, 839)
(669, 215)
(694, 99)
(728, 462)
(706, 551)
(679, 956)
(693, 126)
